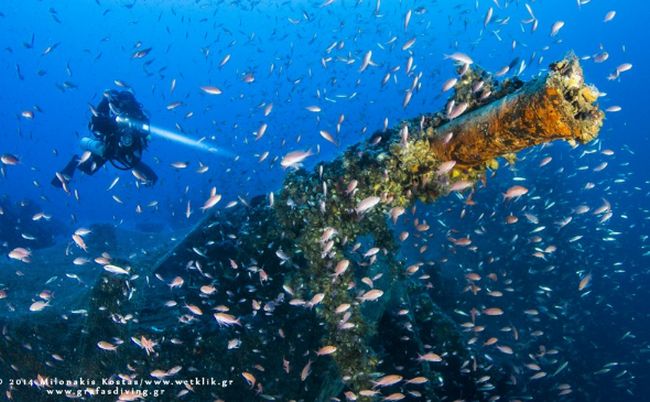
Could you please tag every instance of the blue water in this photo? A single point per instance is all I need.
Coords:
(283, 45)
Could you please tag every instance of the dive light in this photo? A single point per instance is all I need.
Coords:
(132, 124)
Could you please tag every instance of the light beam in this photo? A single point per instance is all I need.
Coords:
(173, 136)
(181, 139)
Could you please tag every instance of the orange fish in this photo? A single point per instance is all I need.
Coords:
(515, 191)
(493, 311)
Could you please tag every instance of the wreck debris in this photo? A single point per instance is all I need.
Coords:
(391, 171)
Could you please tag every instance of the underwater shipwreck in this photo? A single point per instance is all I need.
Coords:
(268, 294)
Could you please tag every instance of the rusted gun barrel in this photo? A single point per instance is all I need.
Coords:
(557, 106)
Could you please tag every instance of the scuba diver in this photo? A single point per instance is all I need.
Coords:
(121, 133)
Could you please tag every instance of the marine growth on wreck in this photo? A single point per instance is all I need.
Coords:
(326, 212)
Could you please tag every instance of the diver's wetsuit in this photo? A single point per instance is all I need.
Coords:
(117, 142)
